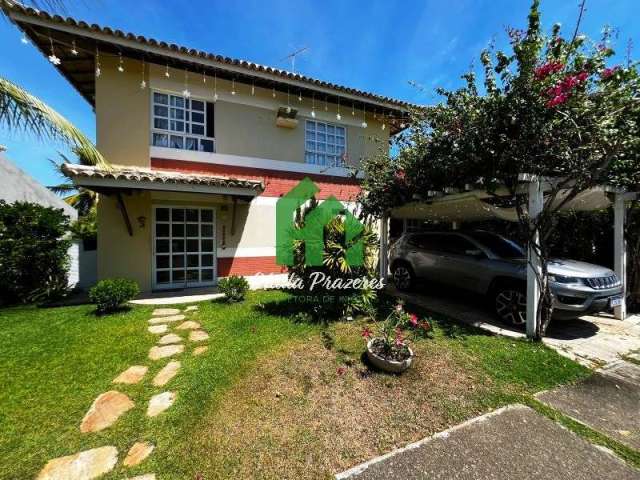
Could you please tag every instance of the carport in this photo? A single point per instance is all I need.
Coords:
(476, 204)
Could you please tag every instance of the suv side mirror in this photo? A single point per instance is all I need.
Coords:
(474, 252)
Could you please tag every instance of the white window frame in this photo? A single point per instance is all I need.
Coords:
(172, 133)
(184, 284)
(315, 153)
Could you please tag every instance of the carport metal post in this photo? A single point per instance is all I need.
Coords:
(534, 268)
(383, 261)
(620, 250)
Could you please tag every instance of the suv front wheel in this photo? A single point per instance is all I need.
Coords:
(511, 305)
(403, 277)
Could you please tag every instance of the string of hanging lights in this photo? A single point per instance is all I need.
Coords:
(384, 118)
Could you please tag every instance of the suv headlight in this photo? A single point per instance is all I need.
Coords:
(566, 280)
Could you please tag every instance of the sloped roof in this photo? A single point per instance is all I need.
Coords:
(41, 27)
(18, 186)
(148, 175)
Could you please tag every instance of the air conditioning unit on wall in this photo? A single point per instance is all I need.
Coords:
(286, 117)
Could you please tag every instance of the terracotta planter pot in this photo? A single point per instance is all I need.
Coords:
(387, 365)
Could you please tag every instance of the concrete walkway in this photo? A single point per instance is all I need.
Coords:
(594, 341)
(511, 443)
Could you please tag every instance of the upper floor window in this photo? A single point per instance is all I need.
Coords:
(182, 123)
(324, 143)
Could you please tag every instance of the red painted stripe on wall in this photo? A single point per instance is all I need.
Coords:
(276, 182)
(248, 266)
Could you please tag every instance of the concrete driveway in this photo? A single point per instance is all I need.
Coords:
(594, 341)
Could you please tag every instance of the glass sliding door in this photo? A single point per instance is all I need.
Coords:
(184, 247)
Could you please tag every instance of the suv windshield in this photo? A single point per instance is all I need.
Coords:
(500, 246)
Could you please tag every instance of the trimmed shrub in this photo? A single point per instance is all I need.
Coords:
(111, 294)
(234, 288)
(34, 256)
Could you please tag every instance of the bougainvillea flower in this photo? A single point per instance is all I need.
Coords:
(609, 72)
(413, 319)
(366, 332)
(543, 71)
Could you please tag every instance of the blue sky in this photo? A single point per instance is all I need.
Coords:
(376, 46)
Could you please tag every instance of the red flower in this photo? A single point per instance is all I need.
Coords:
(582, 76)
(413, 319)
(547, 69)
(609, 72)
(557, 100)
(341, 370)
(366, 332)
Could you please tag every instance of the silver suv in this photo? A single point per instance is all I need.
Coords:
(491, 265)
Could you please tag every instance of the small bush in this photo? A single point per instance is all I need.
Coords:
(110, 294)
(34, 255)
(234, 288)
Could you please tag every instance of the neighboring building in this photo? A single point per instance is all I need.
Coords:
(18, 186)
(203, 146)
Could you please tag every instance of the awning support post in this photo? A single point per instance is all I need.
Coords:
(620, 251)
(534, 267)
(125, 215)
(383, 261)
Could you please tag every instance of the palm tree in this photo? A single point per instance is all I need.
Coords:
(80, 198)
(19, 110)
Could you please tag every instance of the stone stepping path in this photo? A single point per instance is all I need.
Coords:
(170, 338)
(166, 374)
(198, 336)
(158, 328)
(160, 402)
(156, 353)
(109, 406)
(131, 375)
(200, 350)
(172, 318)
(105, 410)
(188, 325)
(81, 466)
(137, 453)
(163, 312)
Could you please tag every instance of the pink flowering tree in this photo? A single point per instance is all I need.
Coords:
(553, 106)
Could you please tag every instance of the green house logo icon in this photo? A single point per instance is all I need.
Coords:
(312, 233)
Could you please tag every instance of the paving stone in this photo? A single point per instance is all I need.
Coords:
(81, 466)
(105, 410)
(200, 350)
(166, 374)
(146, 476)
(170, 338)
(137, 453)
(158, 328)
(188, 325)
(160, 402)
(131, 375)
(498, 446)
(172, 318)
(163, 312)
(191, 308)
(156, 353)
(198, 336)
(607, 404)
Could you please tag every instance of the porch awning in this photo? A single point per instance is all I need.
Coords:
(138, 178)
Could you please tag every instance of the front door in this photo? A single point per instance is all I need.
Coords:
(183, 247)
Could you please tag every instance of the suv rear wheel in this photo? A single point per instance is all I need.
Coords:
(403, 277)
(511, 305)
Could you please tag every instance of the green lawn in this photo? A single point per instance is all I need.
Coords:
(266, 400)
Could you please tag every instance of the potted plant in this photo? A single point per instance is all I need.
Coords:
(389, 350)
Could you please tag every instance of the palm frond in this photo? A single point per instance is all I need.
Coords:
(62, 188)
(19, 110)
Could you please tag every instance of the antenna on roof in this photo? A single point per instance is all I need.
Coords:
(292, 56)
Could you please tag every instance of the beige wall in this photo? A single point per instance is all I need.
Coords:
(122, 114)
(121, 255)
(244, 123)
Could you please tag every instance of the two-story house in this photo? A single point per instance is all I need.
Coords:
(202, 146)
